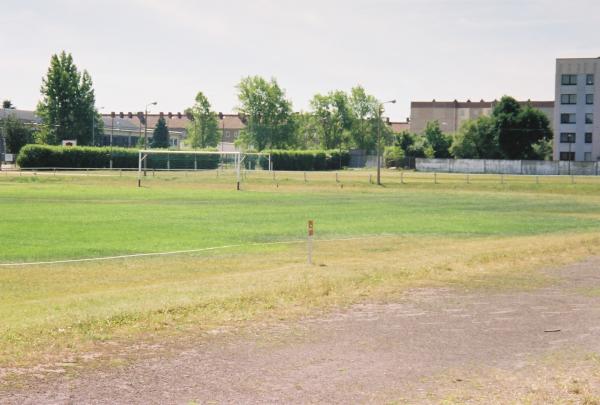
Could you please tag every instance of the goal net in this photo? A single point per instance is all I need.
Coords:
(192, 160)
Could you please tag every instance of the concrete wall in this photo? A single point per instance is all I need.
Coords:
(527, 167)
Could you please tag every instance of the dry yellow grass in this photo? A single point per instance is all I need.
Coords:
(61, 309)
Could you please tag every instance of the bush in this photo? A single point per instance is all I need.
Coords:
(96, 158)
(305, 160)
(393, 156)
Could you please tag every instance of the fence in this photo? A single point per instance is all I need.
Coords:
(494, 166)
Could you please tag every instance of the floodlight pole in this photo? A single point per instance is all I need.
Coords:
(380, 113)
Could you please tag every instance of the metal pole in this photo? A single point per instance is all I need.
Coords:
(112, 130)
(379, 147)
(569, 164)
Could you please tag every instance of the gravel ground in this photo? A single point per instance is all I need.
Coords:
(370, 353)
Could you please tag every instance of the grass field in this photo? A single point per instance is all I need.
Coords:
(489, 233)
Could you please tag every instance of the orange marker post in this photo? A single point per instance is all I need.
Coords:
(311, 232)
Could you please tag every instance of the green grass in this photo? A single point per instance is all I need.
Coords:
(53, 218)
(478, 235)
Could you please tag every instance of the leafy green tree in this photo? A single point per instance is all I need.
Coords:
(519, 128)
(16, 134)
(268, 114)
(67, 105)
(365, 112)
(333, 118)
(307, 131)
(439, 142)
(476, 139)
(7, 104)
(203, 131)
(160, 136)
(413, 145)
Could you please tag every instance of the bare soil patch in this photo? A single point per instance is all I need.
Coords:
(433, 345)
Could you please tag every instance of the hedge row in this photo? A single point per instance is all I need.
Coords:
(305, 160)
(95, 158)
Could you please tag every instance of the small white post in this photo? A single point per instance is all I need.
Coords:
(270, 166)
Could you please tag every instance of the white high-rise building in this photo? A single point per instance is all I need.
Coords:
(576, 112)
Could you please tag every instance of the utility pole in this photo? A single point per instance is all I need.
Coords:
(380, 113)
(146, 133)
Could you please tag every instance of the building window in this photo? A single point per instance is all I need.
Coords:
(589, 80)
(567, 137)
(567, 156)
(568, 99)
(587, 156)
(589, 99)
(568, 80)
(589, 118)
(588, 137)
(567, 118)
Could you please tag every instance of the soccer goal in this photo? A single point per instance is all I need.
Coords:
(191, 160)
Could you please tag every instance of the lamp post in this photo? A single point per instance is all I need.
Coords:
(146, 123)
(146, 132)
(570, 139)
(380, 113)
(94, 126)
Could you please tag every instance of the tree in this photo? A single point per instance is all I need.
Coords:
(413, 145)
(519, 129)
(67, 105)
(203, 129)
(364, 111)
(307, 131)
(160, 136)
(332, 117)
(476, 139)
(268, 114)
(439, 142)
(7, 104)
(16, 134)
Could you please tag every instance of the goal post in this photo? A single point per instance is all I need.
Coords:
(199, 160)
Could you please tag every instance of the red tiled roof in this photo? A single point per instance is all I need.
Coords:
(232, 121)
(400, 126)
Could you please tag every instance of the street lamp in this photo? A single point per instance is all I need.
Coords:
(94, 126)
(146, 123)
(571, 140)
(380, 113)
(146, 132)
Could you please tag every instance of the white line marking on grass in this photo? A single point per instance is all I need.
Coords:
(178, 252)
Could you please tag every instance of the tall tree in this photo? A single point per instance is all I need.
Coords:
(67, 106)
(203, 129)
(364, 109)
(519, 128)
(160, 136)
(307, 131)
(439, 142)
(477, 139)
(268, 114)
(333, 119)
(7, 104)
(16, 134)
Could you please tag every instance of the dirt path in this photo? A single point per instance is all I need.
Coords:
(371, 353)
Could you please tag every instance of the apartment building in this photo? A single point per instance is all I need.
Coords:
(451, 114)
(577, 135)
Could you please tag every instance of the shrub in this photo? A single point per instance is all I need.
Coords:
(305, 160)
(96, 158)
(393, 156)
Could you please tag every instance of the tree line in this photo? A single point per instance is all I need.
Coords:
(336, 120)
(512, 131)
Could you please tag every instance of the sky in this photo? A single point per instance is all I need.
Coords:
(140, 51)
